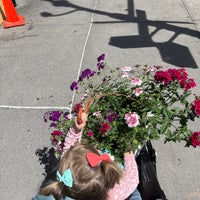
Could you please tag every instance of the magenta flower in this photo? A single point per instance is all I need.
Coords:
(195, 139)
(56, 133)
(178, 74)
(104, 128)
(77, 107)
(90, 133)
(187, 84)
(163, 76)
(132, 119)
(196, 107)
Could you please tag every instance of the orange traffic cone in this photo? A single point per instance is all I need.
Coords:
(12, 18)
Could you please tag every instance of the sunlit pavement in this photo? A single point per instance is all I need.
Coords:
(39, 61)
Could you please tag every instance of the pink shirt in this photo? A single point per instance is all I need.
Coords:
(129, 181)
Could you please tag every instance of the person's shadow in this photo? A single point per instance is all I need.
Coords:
(47, 158)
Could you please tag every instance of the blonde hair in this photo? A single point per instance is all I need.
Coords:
(89, 183)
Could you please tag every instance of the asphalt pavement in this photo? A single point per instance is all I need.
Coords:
(38, 62)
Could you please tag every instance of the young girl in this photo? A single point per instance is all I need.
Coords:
(85, 174)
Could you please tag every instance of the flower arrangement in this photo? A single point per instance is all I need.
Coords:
(129, 105)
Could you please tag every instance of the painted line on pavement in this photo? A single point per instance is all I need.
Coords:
(35, 107)
(190, 14)
(85, 44)
(79, 71)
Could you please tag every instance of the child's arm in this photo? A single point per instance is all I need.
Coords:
(129, 180)
(75, 132)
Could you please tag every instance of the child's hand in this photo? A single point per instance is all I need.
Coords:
(80, 126)
(130, 153)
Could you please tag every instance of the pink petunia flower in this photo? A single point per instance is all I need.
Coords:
(137, 91)
(132, 119)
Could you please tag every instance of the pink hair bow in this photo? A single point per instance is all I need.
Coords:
(94, 159)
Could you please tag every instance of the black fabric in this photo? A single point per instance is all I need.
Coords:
(149, 186)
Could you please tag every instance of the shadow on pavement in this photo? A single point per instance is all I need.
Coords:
(47, 158)
(170, 52)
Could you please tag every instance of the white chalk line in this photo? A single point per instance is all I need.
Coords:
(79, 71)
(36, 107)
(190, 14)
(85, 44)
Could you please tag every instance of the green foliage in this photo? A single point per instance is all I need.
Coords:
(131, 104)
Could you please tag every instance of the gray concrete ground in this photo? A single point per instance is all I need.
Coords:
(38, 62)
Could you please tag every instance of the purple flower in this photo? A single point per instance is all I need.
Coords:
(92, 73)
(53, 124)
(85, 74)
(100, 66)
(112, 117)
(101, 57)
(104, 80)
(46, 116)
(74, 86)
(55, 115)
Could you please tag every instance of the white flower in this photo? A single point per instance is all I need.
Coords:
(126, 69)
(137, 91)
(136, 81)
(151, 69)
(84, 97)
(149, 114)
(97, 114)
(124, 75)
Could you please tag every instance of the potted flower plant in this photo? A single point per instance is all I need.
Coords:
(129, 105)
